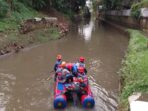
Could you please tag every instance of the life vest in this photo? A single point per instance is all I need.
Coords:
(57, 65)
(59, 69)
(65, 71)
(74, 69)
(58, 62)
(80, 64)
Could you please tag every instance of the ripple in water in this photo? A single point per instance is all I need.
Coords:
(105, 101)
(6, 83)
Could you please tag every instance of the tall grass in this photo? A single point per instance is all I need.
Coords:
(135, 66)
(10, 23)
(14, 17)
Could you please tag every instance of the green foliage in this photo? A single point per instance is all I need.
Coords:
(135, 69)
(121, 4)
(68, 7)
(17, 6)
(25, 2)
(38, 4)
(136, 8)
(36, 36)
(11, 22)
(45, 35)
(111, 4)
(95, 4)
(61, 5)
(145, 3)
(3, 8)
(7, 24)
(54, 33)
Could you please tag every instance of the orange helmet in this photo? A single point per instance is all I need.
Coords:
(59, 57)
(81, 59)
(81, 69)
(63, 64)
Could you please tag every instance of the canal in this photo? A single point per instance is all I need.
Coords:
(24, 77)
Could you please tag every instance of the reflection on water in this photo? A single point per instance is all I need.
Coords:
(89, 5)
(86, 29)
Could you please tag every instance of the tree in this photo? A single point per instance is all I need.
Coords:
(111, 4)
(3, 8)
(66, 5)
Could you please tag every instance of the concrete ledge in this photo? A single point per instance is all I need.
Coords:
(136, 104)
(144, 12)
(139, 106)
(123, 17)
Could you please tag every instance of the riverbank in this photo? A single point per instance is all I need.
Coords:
(134, 71)
(11, 40)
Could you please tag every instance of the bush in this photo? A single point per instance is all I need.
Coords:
(18, 13)
(39, 4)
(17, 6)
(3, 8)
(68, 7)
(136, 8)
(95, 4)
(145, 3)
(111, 4)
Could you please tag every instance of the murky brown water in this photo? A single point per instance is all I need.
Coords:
(23, 77)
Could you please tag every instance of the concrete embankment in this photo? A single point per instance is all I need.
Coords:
(123, 17)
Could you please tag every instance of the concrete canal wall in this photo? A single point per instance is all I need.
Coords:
(124, 17)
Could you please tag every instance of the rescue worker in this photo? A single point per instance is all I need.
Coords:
(81, 71)
(82, 79)
(65, 72)
(69, 66)
(81, 63)
(59, 70)
(58, 62)
(74, 70)
(61, 77)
